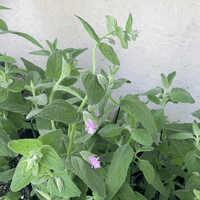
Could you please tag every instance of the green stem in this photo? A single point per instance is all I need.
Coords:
(51, 99)
(33, 91)
(72, 134)
(49, 172)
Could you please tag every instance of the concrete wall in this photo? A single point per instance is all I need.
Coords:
(169, 40)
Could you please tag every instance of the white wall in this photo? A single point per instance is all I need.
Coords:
(169, 39)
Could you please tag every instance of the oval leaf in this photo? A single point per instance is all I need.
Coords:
(109, 53)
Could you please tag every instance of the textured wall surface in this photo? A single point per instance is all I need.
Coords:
(169, 40)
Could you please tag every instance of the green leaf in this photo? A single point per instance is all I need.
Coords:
(52, 138)
(77, 52)
(139, 109)
(193, 183)
(93, 88)
(89, 29)
(196, 114)
(44, 86)
(159, 118)
(154, 99)
(13, 195)
(181, 95)
(181, 128)
(32, 67)
(4, 140)
(7, 175)
(69, 188)
(126, 192)
(41, 53)
(19, 181)
(109, 53)
(184, 195)
(141, 136)
(91, 177)
(3, 94)
(147, 169)
(54, 65)
(60, 110)
(170, 77)
(24, 146)
(43, 194)
(14, 107)
(153, 92)
(50, 159)
(180, 147)
(192, 162)
(117, 171)
(151, 176)
(181, 136)
(115, 84)
(197, 193)
(4, 8)
(43, 124)
(139, 196)
(28, 37)
(7, 59)
(129, 23)
(17, 85)
(164, 81)
(72, 90)
(120, 34)
(110, 130)
(3, 25)
(111, 23)
(39, 99)
(196, 129)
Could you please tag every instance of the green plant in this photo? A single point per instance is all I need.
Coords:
(79, 147)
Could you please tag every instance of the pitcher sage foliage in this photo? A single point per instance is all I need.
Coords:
(81, 152)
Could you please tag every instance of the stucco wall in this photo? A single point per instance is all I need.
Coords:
(169, 40)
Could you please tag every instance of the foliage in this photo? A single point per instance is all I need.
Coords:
(79, 147)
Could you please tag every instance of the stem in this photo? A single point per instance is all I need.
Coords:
(71, 139)
(33, 91)
(51, 99)
(49, 172)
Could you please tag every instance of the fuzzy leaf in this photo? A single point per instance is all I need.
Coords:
(4, 149)
(90, 176)
(3, 25)
(170, 77)
(109, 53)
(139, 109)
(50, 159)
(181, 95)
(60, 110)
(110, 130)
(117, 171)
(93, 88)
(32, 67)
(7, 59)
(120, 34)
(52, 138)
(89, 29)
(111, 23)
(129, 23)
(14, 107)
(181, 136)
(28, 37)
(141, 136)
(54, 65)
(41, 53)
(24, 146)
(69, 188)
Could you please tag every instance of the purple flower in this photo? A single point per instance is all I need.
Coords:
(91, 127)
(96, 112)
(94, 162)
